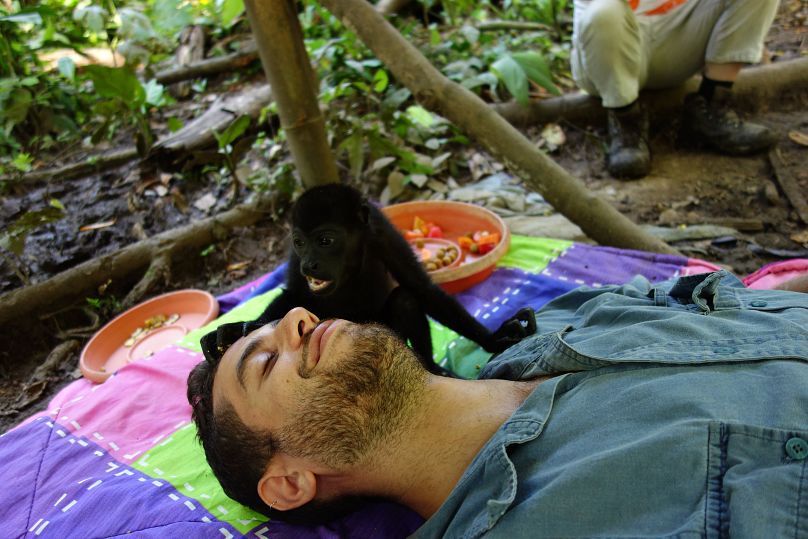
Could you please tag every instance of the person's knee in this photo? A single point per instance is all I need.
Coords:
(602, 18)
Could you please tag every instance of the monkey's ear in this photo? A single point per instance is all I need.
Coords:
(285, 485)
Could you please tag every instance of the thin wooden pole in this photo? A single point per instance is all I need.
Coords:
(288, 69)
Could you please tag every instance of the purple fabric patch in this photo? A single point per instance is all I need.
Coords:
(594, 265)
(56, 484)
(382, 520)
(506, 291)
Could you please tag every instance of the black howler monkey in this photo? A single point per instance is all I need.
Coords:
(348, 261)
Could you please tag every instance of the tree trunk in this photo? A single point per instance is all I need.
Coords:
(596, 217)
(176, 150)
(95, 164)
(390, 7)
(80, 281)
(288, 69)
(209, 66)
(754, 88)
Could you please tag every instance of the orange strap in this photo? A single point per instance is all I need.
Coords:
(664, 8)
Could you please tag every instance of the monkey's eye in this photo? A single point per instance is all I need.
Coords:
(298, 242)
(325, 241)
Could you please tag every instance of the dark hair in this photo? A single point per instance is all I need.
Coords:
(237, 454)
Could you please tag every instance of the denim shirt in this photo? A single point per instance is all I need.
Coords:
(681, 410)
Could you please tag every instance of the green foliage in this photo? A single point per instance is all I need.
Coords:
(229, 10)
(233, 131)
(126, 102)
(516, 69)
(376, 125)
(106, 306)
(33, 104)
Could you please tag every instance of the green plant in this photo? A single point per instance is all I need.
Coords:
(516, 71)
(225, 140)
(33, 103)
(126, 102)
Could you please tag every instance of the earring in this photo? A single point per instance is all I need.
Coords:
(273, 504)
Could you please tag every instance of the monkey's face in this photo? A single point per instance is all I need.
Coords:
(328, 255)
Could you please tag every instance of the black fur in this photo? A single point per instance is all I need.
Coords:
(338, 236)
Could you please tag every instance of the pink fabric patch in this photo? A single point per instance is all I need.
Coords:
(775, 273)
(695, 266)
(123, 416)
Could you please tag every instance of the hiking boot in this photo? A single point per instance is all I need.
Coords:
(629, 157)
(720, 128)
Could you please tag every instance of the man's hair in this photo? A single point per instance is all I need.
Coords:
(237, 453)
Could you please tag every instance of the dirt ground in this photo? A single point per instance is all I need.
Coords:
(686, 187)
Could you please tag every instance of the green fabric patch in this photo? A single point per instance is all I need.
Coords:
(180, 460)
(466, 358)
(533, 254)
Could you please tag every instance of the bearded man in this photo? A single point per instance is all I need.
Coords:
(674, 409)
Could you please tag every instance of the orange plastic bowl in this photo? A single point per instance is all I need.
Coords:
(105, 353)
(456, 219)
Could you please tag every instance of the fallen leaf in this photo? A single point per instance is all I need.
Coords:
(798, 137)
(801, 237)
(394, 187)
(438, 187)
(418, 179)
(161, 190)
(553, 137)
(96, 226)
(379, 164)
(235, 266)
(439, 160)
(179, 200)
(205, 202)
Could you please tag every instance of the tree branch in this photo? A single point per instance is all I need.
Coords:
(80, 281)
(755, 87)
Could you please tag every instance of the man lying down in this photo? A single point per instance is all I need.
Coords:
(677, 409)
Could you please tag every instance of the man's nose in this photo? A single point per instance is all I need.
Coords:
(295, 324)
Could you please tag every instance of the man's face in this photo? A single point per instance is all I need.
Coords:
(326, 391)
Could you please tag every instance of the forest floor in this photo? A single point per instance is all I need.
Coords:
(686, 186)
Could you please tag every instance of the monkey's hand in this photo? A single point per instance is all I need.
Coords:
(514, 329)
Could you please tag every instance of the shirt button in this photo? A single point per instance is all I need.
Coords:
(758, 303)
(797, 448)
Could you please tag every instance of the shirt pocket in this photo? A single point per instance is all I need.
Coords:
(756, 482)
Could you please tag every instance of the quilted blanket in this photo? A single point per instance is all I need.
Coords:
(121, 458)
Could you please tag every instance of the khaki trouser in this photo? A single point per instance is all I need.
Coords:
(617, 52)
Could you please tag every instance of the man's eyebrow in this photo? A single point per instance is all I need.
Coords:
(251, 347)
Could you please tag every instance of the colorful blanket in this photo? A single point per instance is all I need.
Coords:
(121, 459)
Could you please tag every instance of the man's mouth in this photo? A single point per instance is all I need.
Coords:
(317, 342)
(317, 285)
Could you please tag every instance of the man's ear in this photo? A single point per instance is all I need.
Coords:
(286, 485)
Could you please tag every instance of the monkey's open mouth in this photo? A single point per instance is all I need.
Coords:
(317, 285)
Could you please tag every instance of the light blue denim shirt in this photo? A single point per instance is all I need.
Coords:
(683, 412)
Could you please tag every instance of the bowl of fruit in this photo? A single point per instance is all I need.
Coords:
(459, 244)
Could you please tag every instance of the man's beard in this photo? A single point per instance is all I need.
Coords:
(356, 403)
